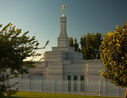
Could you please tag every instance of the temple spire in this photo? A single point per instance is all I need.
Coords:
(63, 40)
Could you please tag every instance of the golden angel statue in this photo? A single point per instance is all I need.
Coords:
(63, 7)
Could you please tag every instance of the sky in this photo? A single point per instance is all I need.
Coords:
(42, 17)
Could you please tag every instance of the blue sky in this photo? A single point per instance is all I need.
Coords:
(41, 17)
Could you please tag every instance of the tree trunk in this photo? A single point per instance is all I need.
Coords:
(126, 93)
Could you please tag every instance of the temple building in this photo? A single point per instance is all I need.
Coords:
(63, 63)
(64, 70)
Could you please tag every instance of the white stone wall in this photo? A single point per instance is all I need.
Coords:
(54, 70)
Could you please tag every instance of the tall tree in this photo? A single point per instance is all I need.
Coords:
(113, 52)
(98, 39)
(93, 44)
(90, 45)
(76, 45)
(15, 47)
(71, 42)
(83, 46)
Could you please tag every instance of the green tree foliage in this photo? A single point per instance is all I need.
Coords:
(90, 45)
(98, 43)
(15, 47)
(113, 53)
(76, 45)
(71, 42)
(83, 46)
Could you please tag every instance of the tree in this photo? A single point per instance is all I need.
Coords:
(71, 42)
(76, 45)
(113, 53)
(83, 46)
(98, 43)
(90, 45)
(93, 46)
(15, 47)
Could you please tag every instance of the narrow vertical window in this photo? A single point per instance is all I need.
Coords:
(75, 83)
(69, 82)
(75, 78)
(68, 77)
(81, 78)
(82, 83)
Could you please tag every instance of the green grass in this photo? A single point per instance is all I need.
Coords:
(51, 95)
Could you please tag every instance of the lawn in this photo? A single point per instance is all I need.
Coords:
(51, 95)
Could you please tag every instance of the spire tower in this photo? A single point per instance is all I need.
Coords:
(63, 40)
